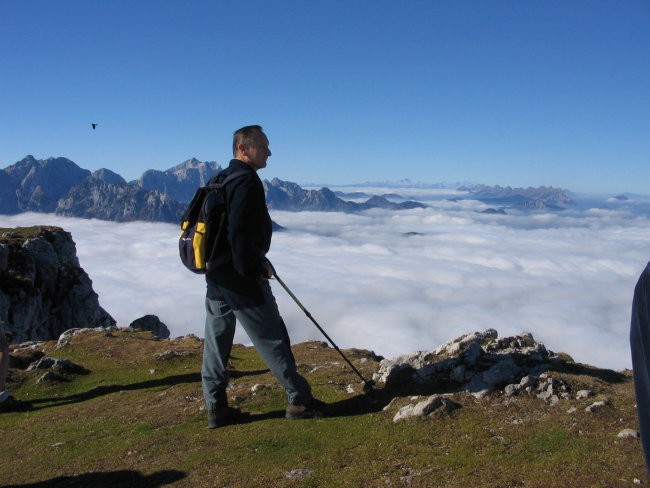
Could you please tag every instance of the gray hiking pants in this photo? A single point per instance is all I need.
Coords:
(267, 331)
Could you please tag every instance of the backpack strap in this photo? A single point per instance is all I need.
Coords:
(232, 176)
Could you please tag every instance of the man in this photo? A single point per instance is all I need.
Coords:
(640, 346)
(240, 290)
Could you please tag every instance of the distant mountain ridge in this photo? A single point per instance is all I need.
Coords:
(527, 198)
(283, 195)
(58, 185)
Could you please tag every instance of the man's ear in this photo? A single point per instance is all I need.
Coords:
(241, 149)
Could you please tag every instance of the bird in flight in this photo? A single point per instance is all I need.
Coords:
(93, 125)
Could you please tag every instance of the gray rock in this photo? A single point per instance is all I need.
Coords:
(152, 324)
(501, 373)
(458, 345)
(477, 387)
(171, 354)
(582, 394)
(65, 337)
(298, 473)
(425, 407)
(528, 381)
(472, 354)
(59, 365)
(511, 390)
(629, 434)
(596, 406)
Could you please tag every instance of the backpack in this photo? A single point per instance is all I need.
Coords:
(204, 226)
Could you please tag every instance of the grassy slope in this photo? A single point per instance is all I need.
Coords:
(137, 420)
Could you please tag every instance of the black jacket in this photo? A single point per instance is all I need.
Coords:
(249, 235)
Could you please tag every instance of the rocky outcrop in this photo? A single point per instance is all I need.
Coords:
(478, 362)
(151, 323)
(481, 365)
(43, 289)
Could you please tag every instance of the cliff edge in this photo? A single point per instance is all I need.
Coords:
(43, 289)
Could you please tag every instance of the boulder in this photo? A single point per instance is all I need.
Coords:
(594, 407)
(425, 407)
(628, 434)
(151, 323)
(64, 339)
(64, 366)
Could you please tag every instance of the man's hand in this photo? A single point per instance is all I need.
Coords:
(270, 271)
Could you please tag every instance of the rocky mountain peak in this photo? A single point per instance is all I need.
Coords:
(109, 177)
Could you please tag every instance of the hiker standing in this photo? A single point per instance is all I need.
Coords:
(240, 290)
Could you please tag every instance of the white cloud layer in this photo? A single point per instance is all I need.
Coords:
(397, 282)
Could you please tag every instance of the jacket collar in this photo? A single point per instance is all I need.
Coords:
(237, 164)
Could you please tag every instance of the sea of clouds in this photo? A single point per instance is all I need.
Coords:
(401, 281)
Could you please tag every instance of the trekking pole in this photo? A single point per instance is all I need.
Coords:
(367, 384)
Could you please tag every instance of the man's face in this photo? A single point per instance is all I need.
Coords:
(257, 153)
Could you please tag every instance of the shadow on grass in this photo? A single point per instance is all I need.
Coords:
(122, 479)
(40, 403)
(607, 375)
(363, 404)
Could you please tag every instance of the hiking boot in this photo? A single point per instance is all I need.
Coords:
(312, 409)
(10, 405)
(220, 417)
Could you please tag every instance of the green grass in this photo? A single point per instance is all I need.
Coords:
(122, 425)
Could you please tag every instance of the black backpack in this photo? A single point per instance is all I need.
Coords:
(204, 227)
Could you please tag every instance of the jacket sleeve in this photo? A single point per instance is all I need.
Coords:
(246, 208)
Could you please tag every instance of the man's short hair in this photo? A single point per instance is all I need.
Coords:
(245, 136)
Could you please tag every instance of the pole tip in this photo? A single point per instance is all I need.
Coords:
(368, 386)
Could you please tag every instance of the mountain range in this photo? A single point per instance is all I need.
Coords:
(58, 185)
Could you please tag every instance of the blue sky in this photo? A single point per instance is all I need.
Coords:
(520, 93)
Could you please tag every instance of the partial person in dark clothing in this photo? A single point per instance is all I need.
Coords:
(239, 290)
(640, 345)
